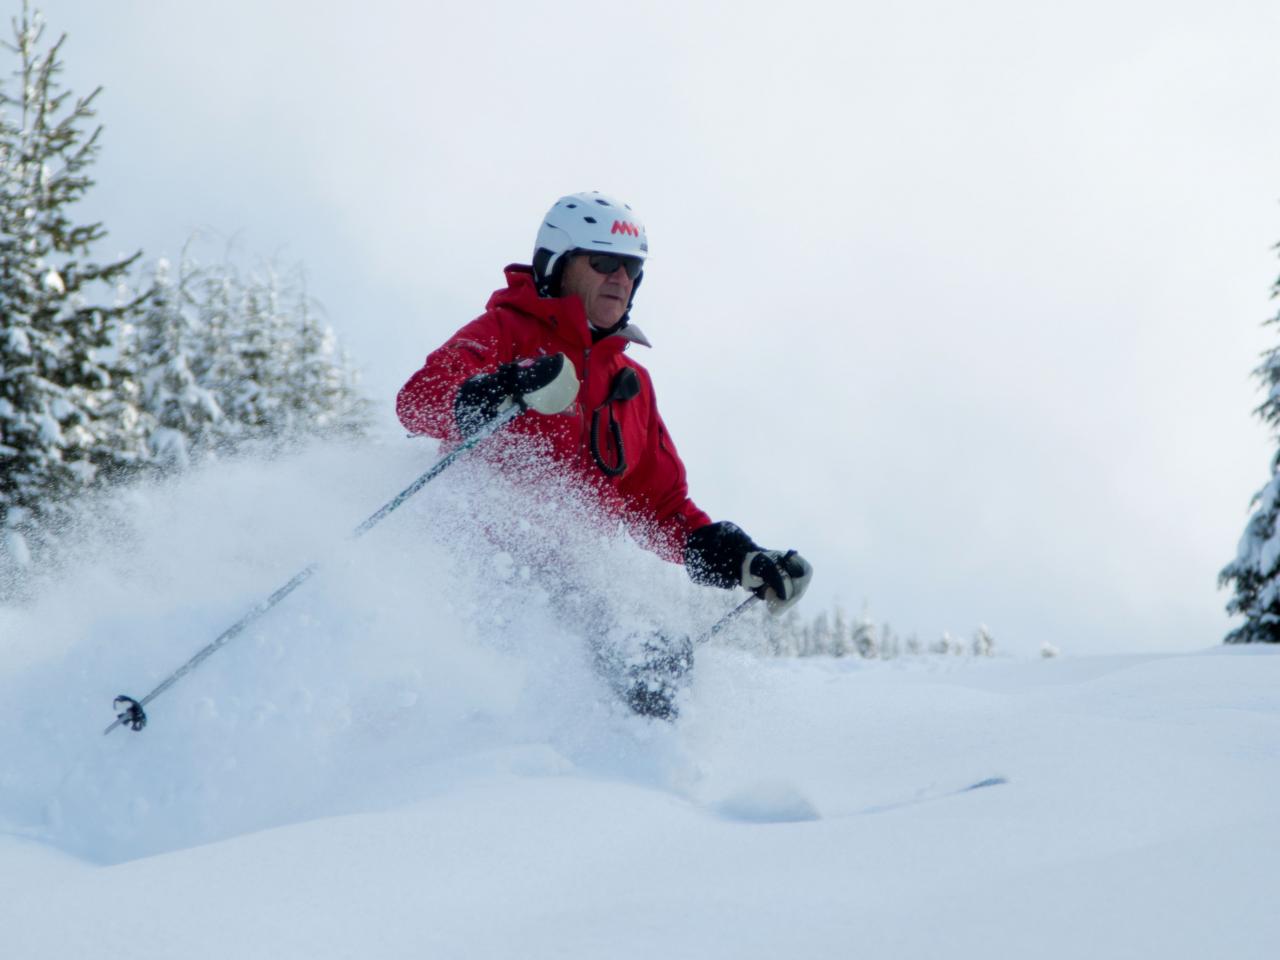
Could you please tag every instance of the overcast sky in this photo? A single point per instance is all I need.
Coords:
(961, 300)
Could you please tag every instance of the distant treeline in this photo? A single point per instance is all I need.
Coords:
(835, 634)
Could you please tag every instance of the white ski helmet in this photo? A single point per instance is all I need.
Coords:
(585, 221)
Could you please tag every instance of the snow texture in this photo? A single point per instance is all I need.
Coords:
(414, 756)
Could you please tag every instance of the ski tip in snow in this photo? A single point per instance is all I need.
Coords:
(930, 795)
(989, 782)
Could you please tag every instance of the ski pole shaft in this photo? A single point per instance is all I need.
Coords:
(131, 712)
(488, 430)
(729, 618)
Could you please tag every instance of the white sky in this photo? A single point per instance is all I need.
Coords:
(961, 300)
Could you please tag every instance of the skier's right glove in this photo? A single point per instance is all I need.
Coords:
(722, 555)
(547, 385)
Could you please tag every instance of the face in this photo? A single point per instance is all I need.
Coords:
(605, 297)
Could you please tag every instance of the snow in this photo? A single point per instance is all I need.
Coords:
(412, 757)
(48, 430)
(18, 342)
(15, 544)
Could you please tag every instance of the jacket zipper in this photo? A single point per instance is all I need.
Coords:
(586, 375)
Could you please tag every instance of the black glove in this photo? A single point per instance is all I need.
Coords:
(548, 385)
(722, 555)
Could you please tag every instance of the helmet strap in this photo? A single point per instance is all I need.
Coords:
(548, 284)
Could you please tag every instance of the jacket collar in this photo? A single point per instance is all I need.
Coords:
(563, 314)
(632, 334)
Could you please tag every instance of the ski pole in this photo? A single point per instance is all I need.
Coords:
(130, 713)
(735, 613)
(728, 618)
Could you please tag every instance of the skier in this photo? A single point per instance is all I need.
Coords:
(554, 340)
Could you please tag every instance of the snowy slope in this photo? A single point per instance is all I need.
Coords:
(413, 758)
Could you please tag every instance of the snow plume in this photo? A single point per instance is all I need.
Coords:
(451, 641)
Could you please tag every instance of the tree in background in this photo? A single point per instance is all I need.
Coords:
(325, 396)
(984, 644)
(1255, 571)
(865, 642)
(947, 645)
(253, 345)
(68, 412)
(833, 635)
(232, 365)
(291, 383)
(166, 350)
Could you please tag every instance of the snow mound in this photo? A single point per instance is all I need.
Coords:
(768, 801)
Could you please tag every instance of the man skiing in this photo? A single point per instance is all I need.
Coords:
(554, 341)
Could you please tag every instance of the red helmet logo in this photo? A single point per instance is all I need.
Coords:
(621, 226)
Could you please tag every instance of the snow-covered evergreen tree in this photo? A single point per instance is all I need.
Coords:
(841, 642)
(324, 395)
(984, 644)
(256, 378)
(1255, 571)
(67, 407)
(889, 646)
(218, 369)
(864, 639)
(281, 378)
(817, 637)
(234, 365)
(947, 645)
(830, 634)
(166, 353)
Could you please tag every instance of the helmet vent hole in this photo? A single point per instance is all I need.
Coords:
(603, 203)
(572, 206)
(589, 219)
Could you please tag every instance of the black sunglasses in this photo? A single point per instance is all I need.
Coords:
(607, 263)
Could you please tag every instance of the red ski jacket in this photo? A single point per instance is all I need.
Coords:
(650, 492)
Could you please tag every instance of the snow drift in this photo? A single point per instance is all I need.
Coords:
(413, 756)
